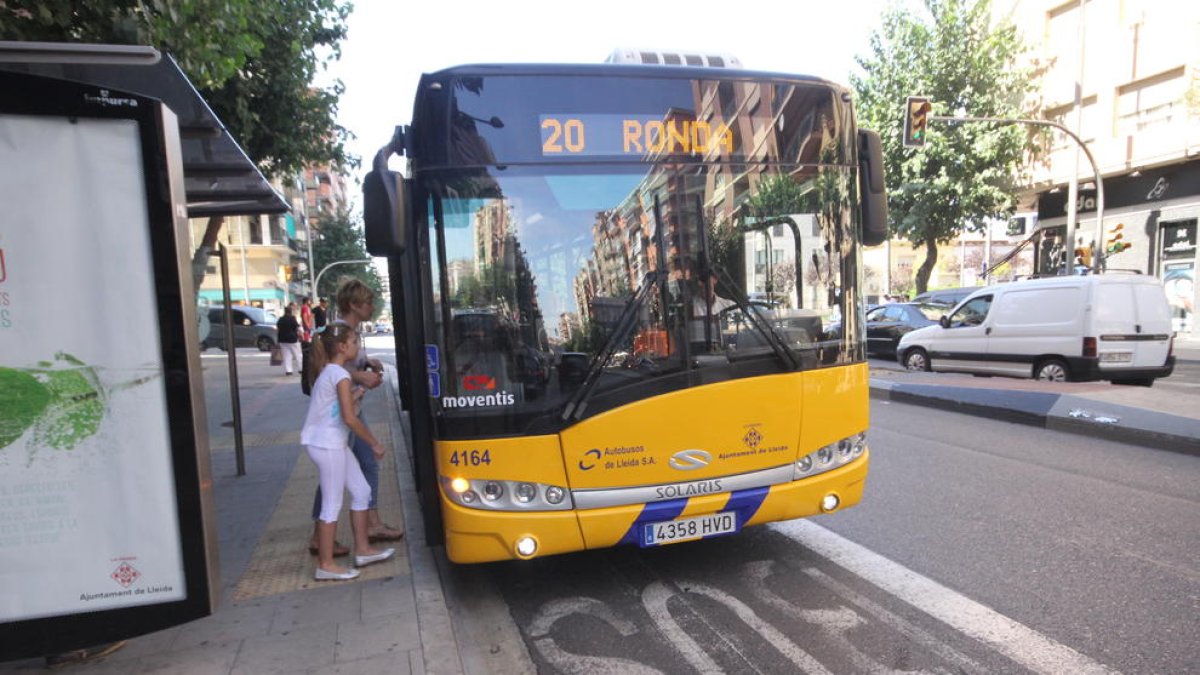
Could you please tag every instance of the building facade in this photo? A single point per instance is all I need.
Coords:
(269, 255)
(1137, 106)
(263, 254)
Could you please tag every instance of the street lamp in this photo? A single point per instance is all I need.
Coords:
(317, 282)
(1097, 254)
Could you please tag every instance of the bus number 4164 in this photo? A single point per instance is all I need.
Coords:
(471, 457)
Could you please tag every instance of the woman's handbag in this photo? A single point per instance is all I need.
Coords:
(276, 355)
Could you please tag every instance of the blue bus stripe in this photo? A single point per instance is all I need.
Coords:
(745, 503)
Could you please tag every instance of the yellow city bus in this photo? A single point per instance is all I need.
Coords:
(627, 302)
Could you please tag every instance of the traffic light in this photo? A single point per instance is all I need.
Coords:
(1083, 256)
(916, 121)
(1116, 240)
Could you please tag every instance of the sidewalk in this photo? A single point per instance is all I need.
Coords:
(273, 617)
(1161, 417)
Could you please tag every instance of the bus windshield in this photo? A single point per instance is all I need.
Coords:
(561, 292)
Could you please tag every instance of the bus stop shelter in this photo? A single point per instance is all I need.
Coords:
(105, 492)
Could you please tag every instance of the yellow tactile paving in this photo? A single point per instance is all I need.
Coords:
(281, 561)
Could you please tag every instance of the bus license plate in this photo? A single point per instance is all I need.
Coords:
(1116, 357)
(686, 529)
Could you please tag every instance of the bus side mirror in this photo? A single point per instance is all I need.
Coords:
(385, 212)
(871, 188)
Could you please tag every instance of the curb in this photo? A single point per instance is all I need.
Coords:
(1057, 412)
(439, 642)
(475, 632)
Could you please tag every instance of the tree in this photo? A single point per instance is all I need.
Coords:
(253, 62)
(340, 238)
(966, 173)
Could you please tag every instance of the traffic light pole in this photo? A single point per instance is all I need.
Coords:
(1098, 242)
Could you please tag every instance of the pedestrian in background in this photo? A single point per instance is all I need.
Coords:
(288, 330)
(306, 320)
(356, 303)
(332, 416)
(320, 315)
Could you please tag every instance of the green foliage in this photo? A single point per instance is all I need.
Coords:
(280, 119)
(253, 62)
(491, 287)
(340, 238)
(966, 173)
(777, 196)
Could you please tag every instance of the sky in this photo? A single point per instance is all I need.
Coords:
(392, 42)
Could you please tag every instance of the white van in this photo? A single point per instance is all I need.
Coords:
(1114, 326)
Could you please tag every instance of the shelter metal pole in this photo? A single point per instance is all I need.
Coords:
(231, 350)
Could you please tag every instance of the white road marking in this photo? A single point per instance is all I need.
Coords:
(898, 623)
(577, 664)
(1016, 641)
(554, 610)
(802, 659)
(654, 598)
(835, 623)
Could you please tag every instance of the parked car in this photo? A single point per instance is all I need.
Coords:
(886, 324)
(1102, 327)
(572, 368)
(945, 296)
(532, 369)
(796, 327)
(252, 327)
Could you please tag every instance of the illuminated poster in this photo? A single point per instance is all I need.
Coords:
(87, 500)
(1179, 282)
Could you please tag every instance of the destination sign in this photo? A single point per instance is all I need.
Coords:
(631, 135)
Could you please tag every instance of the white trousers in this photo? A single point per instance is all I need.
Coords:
(338, 471)
(291, 357)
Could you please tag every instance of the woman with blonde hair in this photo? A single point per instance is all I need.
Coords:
(356, 303)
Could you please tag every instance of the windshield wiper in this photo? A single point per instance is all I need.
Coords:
(756, 320)
(777, 343)
(625, 325)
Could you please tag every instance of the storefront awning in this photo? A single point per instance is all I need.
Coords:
(219, 178)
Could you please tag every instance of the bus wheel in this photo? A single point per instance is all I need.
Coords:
(917, 360)
(1052, 370)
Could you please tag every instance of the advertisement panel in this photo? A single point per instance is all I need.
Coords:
(86, 479)
(106, 524)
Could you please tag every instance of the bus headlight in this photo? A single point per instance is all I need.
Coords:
(504, 495)
(526, 547)
(830, 502)
(831, 456)
(526, 492)
(804, 465)
(492, 490)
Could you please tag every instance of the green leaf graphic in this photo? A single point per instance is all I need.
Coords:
(22, 400)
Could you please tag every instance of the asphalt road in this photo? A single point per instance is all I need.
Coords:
(981, 547)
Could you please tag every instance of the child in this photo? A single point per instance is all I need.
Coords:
(326, 435)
